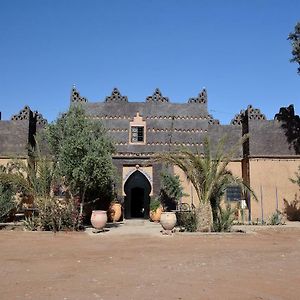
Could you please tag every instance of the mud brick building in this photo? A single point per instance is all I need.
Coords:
(266, 160)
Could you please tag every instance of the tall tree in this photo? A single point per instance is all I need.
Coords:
(82, 153)
(294, 37)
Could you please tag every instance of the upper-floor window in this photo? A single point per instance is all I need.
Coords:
(137, 132)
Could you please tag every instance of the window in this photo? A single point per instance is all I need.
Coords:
(234, 193)
(137, 134)
(137, 130)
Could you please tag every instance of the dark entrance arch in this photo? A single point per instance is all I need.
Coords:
(137, 189)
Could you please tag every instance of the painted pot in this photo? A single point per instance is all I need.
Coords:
(99, 219)
(168, 220)
(114, 212)
(155, 214)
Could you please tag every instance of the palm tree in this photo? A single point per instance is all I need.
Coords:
(209, 175)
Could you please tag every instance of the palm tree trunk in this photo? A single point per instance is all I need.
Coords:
(205, 218)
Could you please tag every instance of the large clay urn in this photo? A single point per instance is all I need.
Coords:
(99, 219)
(115, 212)
(168, 220)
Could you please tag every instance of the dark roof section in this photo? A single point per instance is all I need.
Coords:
(14, 138)
(168, 125)
(267, 138)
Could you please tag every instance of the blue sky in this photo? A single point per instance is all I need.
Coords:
(237, 49)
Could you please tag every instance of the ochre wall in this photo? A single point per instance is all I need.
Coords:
(269, 174)
(234, 167)
(5, 161)
(188, 188)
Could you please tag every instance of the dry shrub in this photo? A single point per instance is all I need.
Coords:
(292, 209)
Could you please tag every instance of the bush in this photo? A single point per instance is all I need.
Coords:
(32, 223)
(7, 203)
(58, 214)
(154, 204)
(292, 209)
(276, 218)
(225, 219)
(187, 220)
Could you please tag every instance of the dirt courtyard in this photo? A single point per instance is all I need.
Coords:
(41, 265)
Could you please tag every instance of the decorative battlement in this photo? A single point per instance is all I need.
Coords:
(252, 113)
(116, 97)
(75, 96)
(201, 98)
(212, 121)
(26, 114)
(157, 97)
(39, 118)
(23, 114)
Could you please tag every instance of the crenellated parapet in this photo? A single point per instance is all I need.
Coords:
(238, 118)
(26, 114)
(201, 98)
(212, 121)
(255, 113)
(157, 97)
(116, 97)
(40, 120)
(75, 96)
(252, 114)
(23, 114)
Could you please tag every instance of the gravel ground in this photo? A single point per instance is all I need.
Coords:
(136, 261)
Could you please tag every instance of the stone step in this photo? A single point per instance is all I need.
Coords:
(135, 222)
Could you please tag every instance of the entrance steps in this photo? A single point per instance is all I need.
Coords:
(129, 227)
(136, 222)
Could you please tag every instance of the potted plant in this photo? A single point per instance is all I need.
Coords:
(155, 209)
(170, 195)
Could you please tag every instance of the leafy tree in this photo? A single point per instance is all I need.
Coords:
(171, 190)
(209, 175)
(297, 179)
(294, 37)
(82, 153)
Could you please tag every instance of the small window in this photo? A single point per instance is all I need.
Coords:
(137, 134)
(234, 193)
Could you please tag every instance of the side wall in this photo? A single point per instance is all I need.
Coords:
(265, 176)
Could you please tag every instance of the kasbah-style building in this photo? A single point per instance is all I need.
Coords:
(267, 160)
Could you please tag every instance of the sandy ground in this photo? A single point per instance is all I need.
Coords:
(260, 265)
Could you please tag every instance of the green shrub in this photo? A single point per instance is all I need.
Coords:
(225, 219)
(58, 214)
(154, 204)
(7, 203)
(292, 209)
(276, 218)
(32, 223)
(187, 220)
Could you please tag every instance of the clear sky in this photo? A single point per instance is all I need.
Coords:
(237, 49)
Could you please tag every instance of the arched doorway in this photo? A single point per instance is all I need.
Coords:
(137, 189)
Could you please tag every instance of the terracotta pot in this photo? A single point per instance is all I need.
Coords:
(168, 220)
(155, 214)
(115, 212)
(99, 219)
